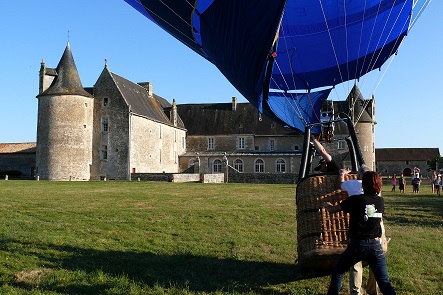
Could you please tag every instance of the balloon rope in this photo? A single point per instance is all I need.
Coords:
(392, 50)
(298, 111)
(360, 41)
(158, 16)
(346, 41)
(422, 8)
(332, 43)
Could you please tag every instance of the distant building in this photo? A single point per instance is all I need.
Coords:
(235, 132)
(106, 132)
(18, 158)
(117, 128)
(403, 160)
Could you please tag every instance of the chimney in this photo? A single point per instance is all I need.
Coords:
(148, 86)
(174, 112)
(42, 87)
(234, 103)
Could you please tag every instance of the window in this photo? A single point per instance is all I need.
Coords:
(259, 166)
(210, 143)
(104, 152)
(271, 144)
(241, 143)
(238, 165)
(217, 166)
(105, 102)
(280, 166)
(160, 131)
(105, 125)
(257, 148)
(341, 144)
(296, 148)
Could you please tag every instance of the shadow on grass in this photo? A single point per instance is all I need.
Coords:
(423, 210)
(188, 272)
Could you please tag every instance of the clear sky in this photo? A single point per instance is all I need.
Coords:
(409, 102)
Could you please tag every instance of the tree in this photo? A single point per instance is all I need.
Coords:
(433, 163)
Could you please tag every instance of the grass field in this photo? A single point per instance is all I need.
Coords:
(172, 238)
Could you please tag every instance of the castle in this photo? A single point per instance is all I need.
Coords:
(105, 132)
(118, 128)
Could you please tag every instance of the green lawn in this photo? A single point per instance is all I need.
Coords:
(172, 238)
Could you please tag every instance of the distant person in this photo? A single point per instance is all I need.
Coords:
(433, 178)
(394, 182)
(364, 234)
(437, 184)
(416, 180)
(327, 163)
(402, 183)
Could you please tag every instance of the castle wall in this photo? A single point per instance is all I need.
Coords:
(281, 143)
(229, 143)
(155, 147)
(366, 138)
(292, 162)
(110, 147)
(225, 143)
(64, 137)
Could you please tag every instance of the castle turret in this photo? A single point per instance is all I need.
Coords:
(64, 128)
(363, 115)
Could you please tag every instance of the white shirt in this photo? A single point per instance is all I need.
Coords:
(352, 186)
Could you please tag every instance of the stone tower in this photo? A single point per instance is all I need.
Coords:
(65, 120)
(362, 113)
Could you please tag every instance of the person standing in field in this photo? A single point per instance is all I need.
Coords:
(416, 181)
(437, 185)
(433, 178)
(402, 184)
(364, 234)
(394, 182)
(354, 187)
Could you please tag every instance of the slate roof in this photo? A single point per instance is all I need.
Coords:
(220, 119)
(66, 81)
(137, 97)
(362, 107)
(18, 148)
(406, 154)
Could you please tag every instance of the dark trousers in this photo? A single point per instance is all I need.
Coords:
(369, 250)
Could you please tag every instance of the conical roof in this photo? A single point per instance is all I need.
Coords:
(67, 81)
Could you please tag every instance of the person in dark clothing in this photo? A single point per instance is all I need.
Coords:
(327, 164)
(364, 234)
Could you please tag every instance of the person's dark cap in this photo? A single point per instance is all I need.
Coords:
(320, 163)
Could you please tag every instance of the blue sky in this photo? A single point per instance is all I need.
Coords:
(409, 102)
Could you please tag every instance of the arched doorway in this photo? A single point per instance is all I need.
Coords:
(407, 172)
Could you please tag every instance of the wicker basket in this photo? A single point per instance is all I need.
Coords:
(322, 236)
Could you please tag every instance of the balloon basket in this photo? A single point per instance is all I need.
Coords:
(321, 236)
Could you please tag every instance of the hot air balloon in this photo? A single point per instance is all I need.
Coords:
(285, 57)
